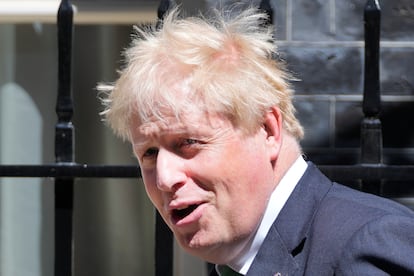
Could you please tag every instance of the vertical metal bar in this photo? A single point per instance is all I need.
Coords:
(163, 7)
(267, 8)
(372, 22)
(371, 133)
(163, 236)
(64, 143)
(163, 248)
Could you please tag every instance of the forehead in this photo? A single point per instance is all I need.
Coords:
(201, 123)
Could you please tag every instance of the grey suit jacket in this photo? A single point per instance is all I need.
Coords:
(329, 229)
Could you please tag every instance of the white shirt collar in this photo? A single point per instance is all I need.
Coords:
(276, 202)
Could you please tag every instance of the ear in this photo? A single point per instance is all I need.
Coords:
(273, 127)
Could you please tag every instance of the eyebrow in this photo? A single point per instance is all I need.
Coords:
(156, 129)
(151, 131)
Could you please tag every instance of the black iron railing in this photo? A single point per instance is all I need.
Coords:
(371, 171)
(64, 143)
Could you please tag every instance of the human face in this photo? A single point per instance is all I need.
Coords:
(209, 180)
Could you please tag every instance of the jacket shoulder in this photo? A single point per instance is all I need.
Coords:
(344, 221)
(384, 245)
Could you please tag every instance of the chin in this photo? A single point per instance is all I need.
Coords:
(210, 250)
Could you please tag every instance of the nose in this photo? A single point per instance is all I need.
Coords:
(170, 173)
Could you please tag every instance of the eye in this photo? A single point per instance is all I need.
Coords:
(187, 142)
(149, 157)
(188, 147)
(150, 152)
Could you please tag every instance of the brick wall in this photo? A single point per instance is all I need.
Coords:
(322, 43)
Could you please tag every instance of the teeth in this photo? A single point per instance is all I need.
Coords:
(182, 208)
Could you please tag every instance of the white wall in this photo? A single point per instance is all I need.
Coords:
(23, 251)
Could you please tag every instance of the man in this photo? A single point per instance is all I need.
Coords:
(210, 118)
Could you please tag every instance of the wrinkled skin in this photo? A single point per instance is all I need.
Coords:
(209, 180)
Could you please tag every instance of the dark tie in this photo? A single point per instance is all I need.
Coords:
(227, 271)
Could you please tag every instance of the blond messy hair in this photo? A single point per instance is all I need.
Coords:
(224, 65)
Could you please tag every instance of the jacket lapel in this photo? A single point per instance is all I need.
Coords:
(280, 251)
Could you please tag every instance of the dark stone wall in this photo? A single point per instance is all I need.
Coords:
(322, 44)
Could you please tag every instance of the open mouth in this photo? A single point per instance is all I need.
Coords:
(179, 214)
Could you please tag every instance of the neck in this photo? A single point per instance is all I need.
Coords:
(289, 153)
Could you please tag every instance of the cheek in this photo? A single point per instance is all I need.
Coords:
(247, 166)
(252, 179)
(151, 188)
(236, 173)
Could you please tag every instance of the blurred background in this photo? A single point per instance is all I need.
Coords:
(322, 44)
